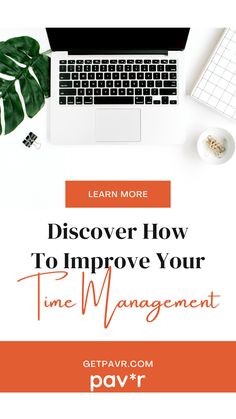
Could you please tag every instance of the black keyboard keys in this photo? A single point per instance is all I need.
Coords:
(140, 82)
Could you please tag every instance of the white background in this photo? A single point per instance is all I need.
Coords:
(203, 199)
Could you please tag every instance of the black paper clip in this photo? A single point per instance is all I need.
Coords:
(31, 140)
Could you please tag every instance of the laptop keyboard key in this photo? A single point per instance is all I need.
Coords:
(85, 83)
(138, 92)
(62, 100)
(170, 83)
(148, 100)
(70, 100)
(142, 83)
(64, 76)
(156, 76)
(80, 92)
(76, 83)
(113, 100)
(79, 68)
(173, 102)
(130, 92)
(113, 92)
(139, 100)
(146, 92)
(91, 76)
(78, 100)
(115, 76)
(164, 76)
(97, 92)
(75, 76)
(105, 92)
(165, 100)
(89, 92)
(107, 76)
(122, 92)
(99, 76)
(93, 83)
(117, 83)
(83, 76)
(173, 76)
(101, 83)
(65, 83)
(132, 76)
(71, 68)
(154, 92)
(170, 67)
(67, 92)
(88, 100)
(125, 83)
(62, 68)
(168, 92)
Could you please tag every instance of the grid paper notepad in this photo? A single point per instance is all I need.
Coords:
(216, 86)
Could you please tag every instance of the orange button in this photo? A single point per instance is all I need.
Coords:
(118, 194)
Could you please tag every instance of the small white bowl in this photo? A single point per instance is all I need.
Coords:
(207, 154)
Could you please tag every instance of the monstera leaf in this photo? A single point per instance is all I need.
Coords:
(21, 61)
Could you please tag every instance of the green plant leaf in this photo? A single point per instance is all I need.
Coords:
(17, 57)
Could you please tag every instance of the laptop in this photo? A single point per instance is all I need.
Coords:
(117, 85)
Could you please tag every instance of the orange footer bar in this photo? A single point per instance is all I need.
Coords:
(117, 366)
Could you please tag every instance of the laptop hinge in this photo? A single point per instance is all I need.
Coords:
(118, 52)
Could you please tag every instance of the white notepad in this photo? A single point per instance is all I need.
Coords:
(216, 86)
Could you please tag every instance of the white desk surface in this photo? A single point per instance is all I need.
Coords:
(45, 171)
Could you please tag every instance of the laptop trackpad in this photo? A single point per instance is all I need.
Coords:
(113, 125)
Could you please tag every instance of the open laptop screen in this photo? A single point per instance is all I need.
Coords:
(117, 40)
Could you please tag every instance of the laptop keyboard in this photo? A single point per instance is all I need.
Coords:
(118, 82)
